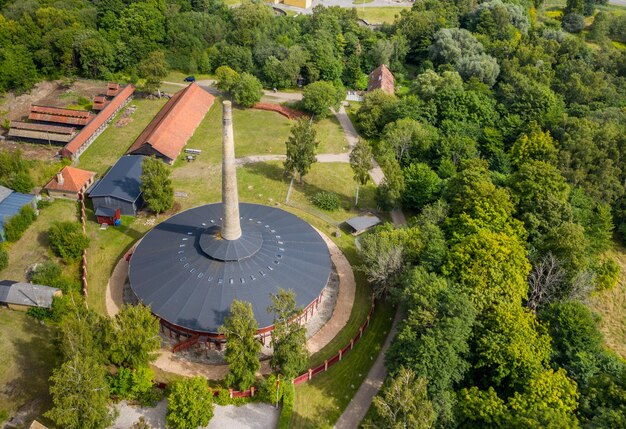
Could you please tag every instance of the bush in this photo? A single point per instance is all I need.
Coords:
(4, 257)
(326, 201)
(50, 274)
(607, 275)
(135, 385)
(573, 22)
(285, 414)
(18, 224)
(42, 204)
(267, 390)
(319, 97)
(39, 313)
(189, 404)
(67, 240)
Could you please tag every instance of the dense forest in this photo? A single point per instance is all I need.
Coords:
(506, 140)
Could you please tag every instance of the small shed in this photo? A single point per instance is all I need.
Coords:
(11, 203)
(22, 296)
(108, 215)
(69, 182)
(360, 224)
(120, 188)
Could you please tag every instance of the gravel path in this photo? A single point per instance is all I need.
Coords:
(348, 128)
(361, 401)
(249, 416)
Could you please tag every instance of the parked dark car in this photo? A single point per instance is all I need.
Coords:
(190, 79)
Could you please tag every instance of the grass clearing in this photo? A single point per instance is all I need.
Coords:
(114, 141)
(330, 135)
(336, 178)
(611, 306)
(320, 402)
(27, 356)
(179, 76)
(380, 15)
(32, 248)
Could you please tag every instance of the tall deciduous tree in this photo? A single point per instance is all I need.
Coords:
(132, 337)
(227, 79)
(361, 164)
(80, 394)
(153, 69)
(242, 349)
(156, 185)
(319, 97)
(289, 336)
(189, 404)
(404, 403)
(301, 147)
(248, 90)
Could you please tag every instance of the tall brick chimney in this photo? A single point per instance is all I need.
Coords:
(231, 226)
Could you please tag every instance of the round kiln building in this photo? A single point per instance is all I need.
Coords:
(191, 267)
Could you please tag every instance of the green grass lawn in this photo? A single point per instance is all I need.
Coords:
(330, 135)
(379, 15)
(179, 76)
(336, 178)
(32, 248)
(114, 141)
(27, 356)
(320, 402)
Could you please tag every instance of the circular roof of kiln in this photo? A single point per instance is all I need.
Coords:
(172, 272)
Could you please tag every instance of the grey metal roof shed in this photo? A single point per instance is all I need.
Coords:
(172, 272)
(361, 224)
(120, 187)
(27, 294)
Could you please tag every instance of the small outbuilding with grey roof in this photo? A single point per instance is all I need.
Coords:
(22, 296)
(360, 224)
(120, 188)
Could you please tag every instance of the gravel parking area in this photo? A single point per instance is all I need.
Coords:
(248, 416)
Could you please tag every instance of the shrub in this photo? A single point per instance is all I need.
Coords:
(573, 22)
(42, 204)
(40, 313)
(67, 240)
(607, 275)
(190, 404)
(135, 385)
(285, 414)
(267, 390)
(326, 201)
(4, 257)
(18, 224)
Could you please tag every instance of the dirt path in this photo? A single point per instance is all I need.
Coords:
(361, 401)
(170, 362)
(322, 157)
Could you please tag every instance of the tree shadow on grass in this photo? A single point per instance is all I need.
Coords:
(35, 358)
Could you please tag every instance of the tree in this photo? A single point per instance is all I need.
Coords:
(371, 115)
(361, 164)
(301, 147)
(80, 394)
(421, 185)
(153, 69)
(242, 348)
(248, 90)
(132, 337)
(389, 192)
(156, 185)
(189, 404)
(227, 79)
(545, 281)
(67, 240)
(534, 145)
(319, 97)
(409, 139)
(289, 336)
(4, 257)
(404, 403)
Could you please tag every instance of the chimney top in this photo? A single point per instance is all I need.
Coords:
(60, 178)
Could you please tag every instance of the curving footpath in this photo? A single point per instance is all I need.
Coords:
(168, 361)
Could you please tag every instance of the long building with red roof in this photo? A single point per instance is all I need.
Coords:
(168, 133)
(97, 125)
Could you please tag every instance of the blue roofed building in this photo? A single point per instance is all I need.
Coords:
(120, 188)
(11, 203)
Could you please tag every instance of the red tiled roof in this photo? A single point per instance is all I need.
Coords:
(74, 180)
(60, 111)
(174, 125)
(59, 119)
(381, 78)
(42, 127)
(108, 111)
(113, 89)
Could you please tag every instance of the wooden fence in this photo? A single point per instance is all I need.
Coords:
(83, 220)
